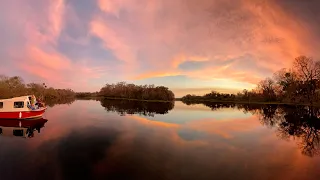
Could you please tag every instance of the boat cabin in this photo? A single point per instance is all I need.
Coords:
(15, 104)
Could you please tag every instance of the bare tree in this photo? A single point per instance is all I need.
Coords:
(308, 72)
(267, 87)
(306, 68)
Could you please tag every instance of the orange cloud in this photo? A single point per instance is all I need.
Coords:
(179, 59)
(225, 32)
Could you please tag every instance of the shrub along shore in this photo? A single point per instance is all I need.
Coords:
(15, 86)
(124, 91)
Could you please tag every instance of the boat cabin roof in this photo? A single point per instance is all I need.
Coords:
(21, 98)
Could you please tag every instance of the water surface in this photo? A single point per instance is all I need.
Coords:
(90, 139)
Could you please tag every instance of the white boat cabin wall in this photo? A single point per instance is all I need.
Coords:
(15, 104)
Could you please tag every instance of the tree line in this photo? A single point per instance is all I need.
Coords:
(15, 86)
(297, 85)
(132, 91)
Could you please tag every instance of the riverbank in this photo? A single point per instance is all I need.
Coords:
(198, 101)
(128, 99)
(114, 98)
(246, 102)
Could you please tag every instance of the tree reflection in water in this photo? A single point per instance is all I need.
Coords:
(301, 123)
(53, 102)
(124, 107)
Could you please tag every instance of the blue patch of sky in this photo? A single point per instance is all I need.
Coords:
(248, 62)
(98, 83)
(84, 9)
(94, 50)
(193, 65)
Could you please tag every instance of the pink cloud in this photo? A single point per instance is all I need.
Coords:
(113, 40)
(36, 54)
(51, 61)
(57, 69)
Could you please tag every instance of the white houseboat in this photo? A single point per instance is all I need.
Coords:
(21, 108)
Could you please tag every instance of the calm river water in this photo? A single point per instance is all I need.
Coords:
(90, 139)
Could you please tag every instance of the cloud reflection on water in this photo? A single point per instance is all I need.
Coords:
(84, 141)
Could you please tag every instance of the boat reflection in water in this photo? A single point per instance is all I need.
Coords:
(21, 128)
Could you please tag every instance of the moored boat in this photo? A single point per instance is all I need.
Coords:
(23, 107)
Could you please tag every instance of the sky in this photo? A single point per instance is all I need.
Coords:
(189, 46)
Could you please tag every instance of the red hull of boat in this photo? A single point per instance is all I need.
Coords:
(24, 115)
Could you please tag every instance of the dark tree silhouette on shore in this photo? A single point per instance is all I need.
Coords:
(298, 85)
(132, 91)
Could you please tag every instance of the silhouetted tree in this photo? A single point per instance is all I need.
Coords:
(267, 88)
(299, 84)
(132, 91)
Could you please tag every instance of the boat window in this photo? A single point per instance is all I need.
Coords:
(19, 104)
(1, 105)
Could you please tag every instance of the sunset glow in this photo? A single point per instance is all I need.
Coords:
(189, 46)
